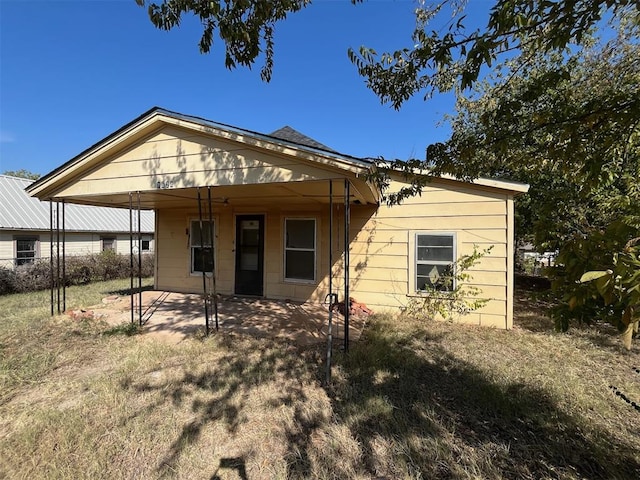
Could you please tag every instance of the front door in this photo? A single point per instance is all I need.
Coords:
(249, 254)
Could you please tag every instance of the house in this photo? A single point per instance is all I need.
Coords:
(281, 215)
(25, 227)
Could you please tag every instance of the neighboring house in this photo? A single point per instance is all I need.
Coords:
(25, 227)
(270, 215)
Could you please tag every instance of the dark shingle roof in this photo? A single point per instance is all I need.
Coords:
(292, 135)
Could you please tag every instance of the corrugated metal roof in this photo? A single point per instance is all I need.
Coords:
(19, 211)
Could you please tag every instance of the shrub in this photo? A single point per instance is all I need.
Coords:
(7, 281)
(79, 270)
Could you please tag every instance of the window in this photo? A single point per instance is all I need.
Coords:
(300, 249)
(146, 245)
(201, 246)
(108, 244)
(434, 259)
(26, 250)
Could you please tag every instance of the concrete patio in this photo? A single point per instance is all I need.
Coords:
(177, 316)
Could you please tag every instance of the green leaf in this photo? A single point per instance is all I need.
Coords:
(590, 276)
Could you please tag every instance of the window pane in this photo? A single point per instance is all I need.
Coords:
(435, 240)
(108, 244)
(444, 254)
(299, 265)
(195, 238)
(146, 244)
(434, 276)
(201, 257)
(300, 234)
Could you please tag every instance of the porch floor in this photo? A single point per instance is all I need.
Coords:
(176, 316)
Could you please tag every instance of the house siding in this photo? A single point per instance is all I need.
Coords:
(176, 158)
(76, 243)
(380, 247)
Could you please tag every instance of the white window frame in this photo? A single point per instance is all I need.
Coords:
(285, 249)
(114, 248)
(36, 249)
(192, 247)
(415, 262)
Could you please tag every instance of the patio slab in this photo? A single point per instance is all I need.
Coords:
(176, 316)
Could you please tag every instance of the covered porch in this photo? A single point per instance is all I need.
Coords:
(238, 214)
(174, 317)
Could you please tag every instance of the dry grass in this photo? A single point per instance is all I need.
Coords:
(411, 400)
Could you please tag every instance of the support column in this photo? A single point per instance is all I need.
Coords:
(204, 275)
(58, 253)
(64, 259)
(52, 283)
(330, 296)
(139, 263)
(213, 266)
(131, 252)
(347, 223)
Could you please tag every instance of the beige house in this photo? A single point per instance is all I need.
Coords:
(277, 207)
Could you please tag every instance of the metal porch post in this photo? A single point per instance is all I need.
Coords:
(131, 252)
(347, 222)
(139, 263)
(213, 267)
(51, 251)
(64, 259)
(204, 275)
(330, 331)
(58, 252)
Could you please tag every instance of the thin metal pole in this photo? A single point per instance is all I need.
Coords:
(213, 267)
(204, 275)
(347, 300)
(51, 251)
(64, 259)
(139, 264)
(131, 251)
(330, 331)
(58, 252)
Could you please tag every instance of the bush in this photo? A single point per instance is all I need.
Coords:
(79, 270)
(7, 281)
(33, 276)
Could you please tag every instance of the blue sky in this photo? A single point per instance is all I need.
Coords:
(72, 72)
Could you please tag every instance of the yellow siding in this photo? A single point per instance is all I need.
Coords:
(184, 161)
(381, 254)
(380, 248)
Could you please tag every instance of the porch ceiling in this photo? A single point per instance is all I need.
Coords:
(290, 193)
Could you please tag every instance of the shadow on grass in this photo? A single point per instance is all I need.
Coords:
(451, 421)
(412, 409)
(127, 291)
(226, 388)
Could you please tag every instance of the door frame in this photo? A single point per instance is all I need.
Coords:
(261, 216)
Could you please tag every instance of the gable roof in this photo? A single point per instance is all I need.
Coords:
(47, 186)
(19, 211)
(283, 142)
(291, 135)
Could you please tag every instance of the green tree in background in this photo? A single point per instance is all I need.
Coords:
(22, 173)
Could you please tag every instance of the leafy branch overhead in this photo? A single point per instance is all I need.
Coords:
(453, 57)
(439, 60)
(245, 27)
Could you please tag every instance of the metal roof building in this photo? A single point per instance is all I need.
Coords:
(19, 211)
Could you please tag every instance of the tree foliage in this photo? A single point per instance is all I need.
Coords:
(245, 27)
(453, 57)
(22, 173)
(570, 127)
